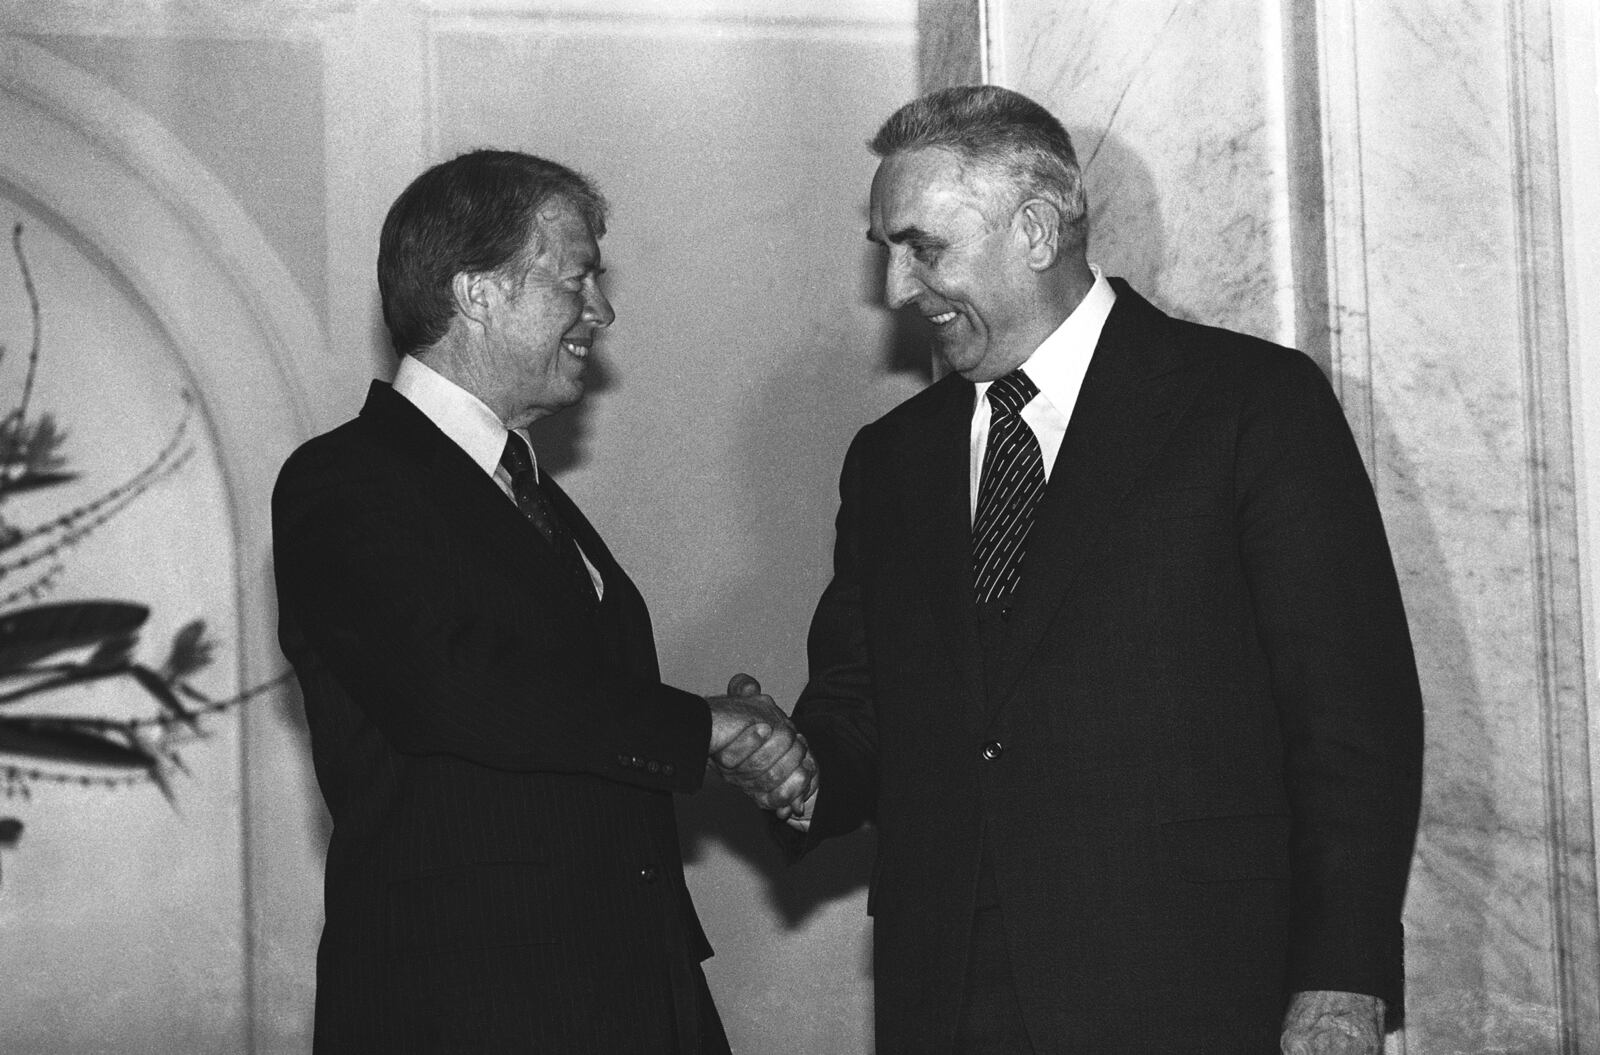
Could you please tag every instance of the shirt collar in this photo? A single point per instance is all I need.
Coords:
(460, 415)
(1057, 366)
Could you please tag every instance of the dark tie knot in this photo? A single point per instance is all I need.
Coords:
(1009, 394)
(515, 457)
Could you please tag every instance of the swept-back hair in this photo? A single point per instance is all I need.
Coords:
(1004, 135)
(473, 213)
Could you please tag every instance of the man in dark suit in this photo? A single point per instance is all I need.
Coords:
(1113, 655)
(488, 723)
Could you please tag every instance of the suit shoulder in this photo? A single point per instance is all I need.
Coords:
(341, 466)
(329, 452)
(911, 414)
(1250, 363)
(1278, 397)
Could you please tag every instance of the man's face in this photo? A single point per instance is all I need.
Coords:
(956, 255)
(546, 315)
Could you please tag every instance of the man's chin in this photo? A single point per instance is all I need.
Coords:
(960, 359)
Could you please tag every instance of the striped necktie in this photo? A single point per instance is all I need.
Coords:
(535, 505)
(1009, 488)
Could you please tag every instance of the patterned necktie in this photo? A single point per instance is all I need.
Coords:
(535, 505)
(1009, 489)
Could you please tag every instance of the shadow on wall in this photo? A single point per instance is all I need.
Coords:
(1452, 939)
(288, 710)
(1127, 234)
(562, 440)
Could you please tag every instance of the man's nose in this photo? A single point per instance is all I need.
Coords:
(899, 287)
(597, 309)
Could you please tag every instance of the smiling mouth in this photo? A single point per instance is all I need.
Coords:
(576, 349)
(943, 318)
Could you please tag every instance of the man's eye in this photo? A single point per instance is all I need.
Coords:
(926, 254)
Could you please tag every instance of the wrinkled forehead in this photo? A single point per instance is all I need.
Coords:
(927, 189)
(561, 233)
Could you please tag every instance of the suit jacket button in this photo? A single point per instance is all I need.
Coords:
(992, 750)
(649, 874)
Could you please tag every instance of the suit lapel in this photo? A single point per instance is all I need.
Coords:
(588, 539)
(1137, 388)
(939, 507)
(469, 495)
(623, 616)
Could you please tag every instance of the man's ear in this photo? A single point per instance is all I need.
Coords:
(473, 294)
(1041, 227)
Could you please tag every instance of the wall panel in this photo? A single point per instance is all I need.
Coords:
(1380, 183)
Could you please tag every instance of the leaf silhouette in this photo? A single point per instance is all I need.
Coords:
(34, 445)
(33, 481)
(158, 776)
(62, 740)
(30, 634)
(158, 687)
(114, 653)
(191, 651)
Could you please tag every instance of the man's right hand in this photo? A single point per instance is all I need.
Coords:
(757, 749)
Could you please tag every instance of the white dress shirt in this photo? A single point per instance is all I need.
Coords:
(470, 425)
(1057, 367)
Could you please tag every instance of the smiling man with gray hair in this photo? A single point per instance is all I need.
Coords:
(1113, 655)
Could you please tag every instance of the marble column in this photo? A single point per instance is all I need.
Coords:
(1377, 183)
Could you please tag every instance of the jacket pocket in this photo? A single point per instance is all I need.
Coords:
(481, 906)
(1228, 849)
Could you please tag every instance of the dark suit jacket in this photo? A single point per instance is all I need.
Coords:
(1206, 784)
(498, 757)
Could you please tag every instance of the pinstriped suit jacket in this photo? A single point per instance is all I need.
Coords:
(498, 758)
(1194, 761)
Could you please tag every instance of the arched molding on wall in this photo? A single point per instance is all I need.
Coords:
(241, 329)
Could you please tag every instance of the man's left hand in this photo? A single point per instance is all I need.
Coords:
(1321, 1022)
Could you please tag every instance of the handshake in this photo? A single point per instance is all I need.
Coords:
(757, 749)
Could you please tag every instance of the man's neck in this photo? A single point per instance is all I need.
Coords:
(454, 362)
(1064, 288)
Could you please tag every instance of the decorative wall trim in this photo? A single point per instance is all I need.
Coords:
(1300, 104)
(604, 23)
(888, 13)
(184, 192)
(991, 50)
(238, 323)
(951, 44)
(290, 19)
(1349, 345)
(1576, 34)
(1553, 523)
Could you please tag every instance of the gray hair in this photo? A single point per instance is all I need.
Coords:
(1002, 134)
